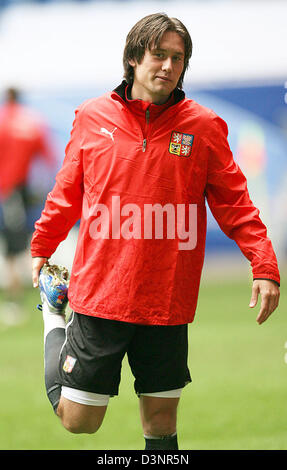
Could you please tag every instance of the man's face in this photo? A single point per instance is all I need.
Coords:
(160, 69)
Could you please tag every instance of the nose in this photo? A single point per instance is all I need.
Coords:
(167, 64)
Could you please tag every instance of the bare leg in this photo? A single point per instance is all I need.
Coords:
(78, 418)
(159, 417)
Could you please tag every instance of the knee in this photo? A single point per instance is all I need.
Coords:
(78, 419)
(80, 428)
(159, 415)
(160, 423)
(77, 426)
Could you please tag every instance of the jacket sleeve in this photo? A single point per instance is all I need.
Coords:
(230, 204)
(64, 203)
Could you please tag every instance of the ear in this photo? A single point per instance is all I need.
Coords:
(132, 62)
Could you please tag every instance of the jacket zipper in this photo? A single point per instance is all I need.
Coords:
(147, 114)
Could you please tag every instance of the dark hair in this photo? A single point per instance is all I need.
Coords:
(148, 32)
(12, 94)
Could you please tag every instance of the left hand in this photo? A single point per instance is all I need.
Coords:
(37, 264)
(270, 294)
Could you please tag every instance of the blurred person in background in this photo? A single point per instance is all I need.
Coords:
(23, 138)
(147, 144)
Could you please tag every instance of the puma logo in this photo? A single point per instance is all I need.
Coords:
(110, 134)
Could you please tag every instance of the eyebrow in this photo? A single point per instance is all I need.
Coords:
(164, 50)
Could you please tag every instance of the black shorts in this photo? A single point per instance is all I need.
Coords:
(92, 355)
(14, 222)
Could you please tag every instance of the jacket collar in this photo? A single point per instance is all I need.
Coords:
(179, 95)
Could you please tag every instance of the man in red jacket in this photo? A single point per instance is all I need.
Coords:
(140, 164)
(23, 138)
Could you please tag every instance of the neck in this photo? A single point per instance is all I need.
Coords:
(144, 95)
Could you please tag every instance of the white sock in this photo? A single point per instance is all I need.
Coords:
(159, 437)
(51, 319)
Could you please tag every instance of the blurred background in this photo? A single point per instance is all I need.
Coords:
(59, 53)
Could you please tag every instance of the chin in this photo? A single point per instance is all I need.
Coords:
(164, 89)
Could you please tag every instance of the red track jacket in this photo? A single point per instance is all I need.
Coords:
(124, 158)
(23, 137)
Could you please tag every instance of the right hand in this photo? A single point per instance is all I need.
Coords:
(37, 264)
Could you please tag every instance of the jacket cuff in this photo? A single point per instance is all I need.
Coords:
(266, 279)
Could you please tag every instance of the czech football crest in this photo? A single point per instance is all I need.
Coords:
(180, 144)
(69, 364)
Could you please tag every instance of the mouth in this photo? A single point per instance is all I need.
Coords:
(163, 79)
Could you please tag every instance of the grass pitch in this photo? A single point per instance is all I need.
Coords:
(237, 399)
